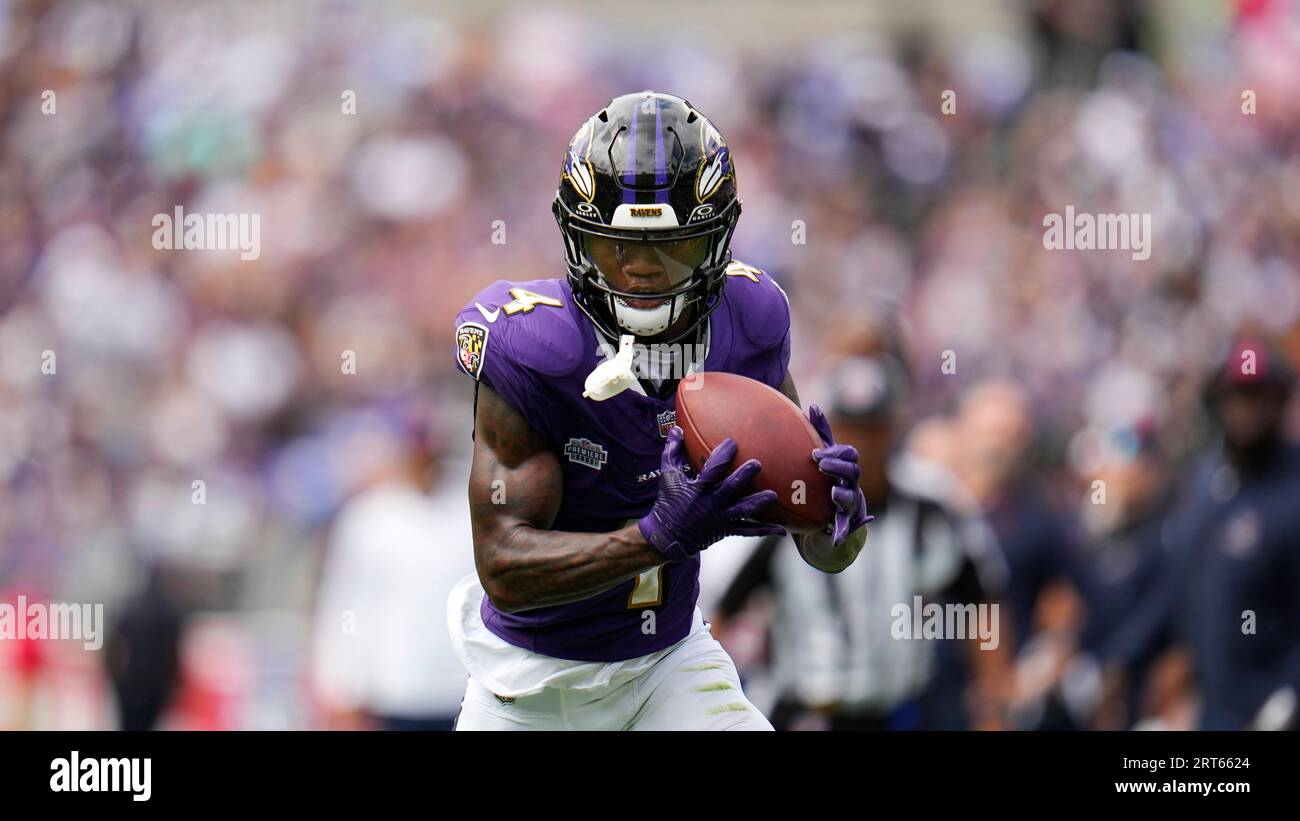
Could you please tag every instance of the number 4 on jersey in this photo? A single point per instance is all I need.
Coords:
(526, 301)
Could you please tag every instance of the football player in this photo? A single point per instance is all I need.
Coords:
(587, 521)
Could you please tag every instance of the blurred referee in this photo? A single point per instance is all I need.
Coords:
(836, 662)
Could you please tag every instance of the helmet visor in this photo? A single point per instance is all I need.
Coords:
(645, 267)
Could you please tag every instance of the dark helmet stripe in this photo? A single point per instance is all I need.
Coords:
(661, 163)
(645, 133)
(629, 171)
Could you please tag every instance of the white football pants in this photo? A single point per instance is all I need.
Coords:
(693, 687)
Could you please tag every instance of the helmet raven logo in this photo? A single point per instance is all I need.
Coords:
(716, 164)
(577, 166)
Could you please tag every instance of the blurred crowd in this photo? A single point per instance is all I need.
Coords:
(259, 466)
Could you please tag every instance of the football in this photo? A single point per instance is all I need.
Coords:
(767, 426)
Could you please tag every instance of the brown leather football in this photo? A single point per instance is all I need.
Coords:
(767, 426)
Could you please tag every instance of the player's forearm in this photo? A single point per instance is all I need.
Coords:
(819, 551)
(530, 567)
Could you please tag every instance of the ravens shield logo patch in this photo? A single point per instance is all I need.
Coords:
(471, 344)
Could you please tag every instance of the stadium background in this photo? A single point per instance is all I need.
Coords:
(377, 226)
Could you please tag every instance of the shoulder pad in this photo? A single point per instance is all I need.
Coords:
(760, 306)
(527, 324)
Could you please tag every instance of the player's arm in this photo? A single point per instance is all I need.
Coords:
(831, 552)
(515, 488)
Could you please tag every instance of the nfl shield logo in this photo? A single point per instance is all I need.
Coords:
(666, 420)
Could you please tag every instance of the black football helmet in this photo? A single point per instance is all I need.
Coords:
(648, 175)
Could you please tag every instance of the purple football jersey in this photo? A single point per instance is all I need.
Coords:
(532, 345)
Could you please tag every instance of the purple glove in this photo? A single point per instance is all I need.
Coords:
(691, 514)
(840, 462)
